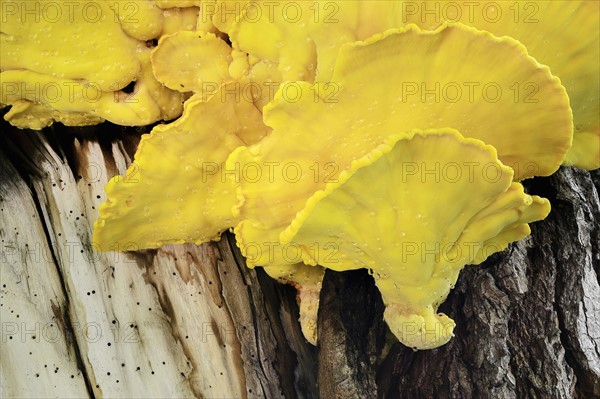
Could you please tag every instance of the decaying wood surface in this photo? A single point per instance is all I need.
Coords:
(193, 321)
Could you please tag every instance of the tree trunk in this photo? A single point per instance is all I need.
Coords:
(193, 321)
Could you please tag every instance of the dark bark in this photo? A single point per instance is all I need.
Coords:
(351, 335)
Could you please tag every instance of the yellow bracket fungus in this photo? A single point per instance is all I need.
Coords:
(307, 280)
(76, 62)
(287, 38)
(266, 32)
(376, 92)
(181, 19)
(415, 231)
(171, 194)
(74, 102)
(178, 3)
(191, 61)
(546, 28)
(318, 29)
(340, 135)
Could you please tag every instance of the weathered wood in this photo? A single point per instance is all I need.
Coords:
(528, 319)
(182, 321)
(39, 355)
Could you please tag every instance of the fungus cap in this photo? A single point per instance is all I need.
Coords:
(172, 194)
(415, 211)
(372, 95)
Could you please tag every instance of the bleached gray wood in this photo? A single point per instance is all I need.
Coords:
(38, 356)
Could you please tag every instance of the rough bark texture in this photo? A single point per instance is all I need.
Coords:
(193, 321)
(528, 316)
